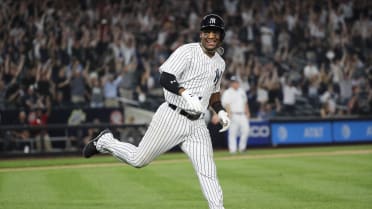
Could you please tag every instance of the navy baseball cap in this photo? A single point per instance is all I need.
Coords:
(234, 78)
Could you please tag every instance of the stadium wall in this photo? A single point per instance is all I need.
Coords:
(303, 131)
(320, 131)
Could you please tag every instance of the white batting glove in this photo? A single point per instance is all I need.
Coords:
(225, 120)
(194, 103)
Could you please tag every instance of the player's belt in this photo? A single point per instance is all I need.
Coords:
(184, 113)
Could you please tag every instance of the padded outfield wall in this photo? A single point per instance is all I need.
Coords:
(320, 131)
(306, 131)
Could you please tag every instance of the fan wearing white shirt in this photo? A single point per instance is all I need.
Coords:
(290, 92)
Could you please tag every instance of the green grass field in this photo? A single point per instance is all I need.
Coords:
(283, 178)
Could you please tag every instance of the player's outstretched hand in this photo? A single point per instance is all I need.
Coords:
(224, 119)
(193, 102)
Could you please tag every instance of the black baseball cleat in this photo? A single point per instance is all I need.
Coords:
(90, 149)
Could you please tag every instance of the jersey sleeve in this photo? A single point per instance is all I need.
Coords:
(176, 63)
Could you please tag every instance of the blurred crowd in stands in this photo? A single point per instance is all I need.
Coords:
(307, 58)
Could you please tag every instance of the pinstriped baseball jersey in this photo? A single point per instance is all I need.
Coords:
(200, 74)
(195, 71)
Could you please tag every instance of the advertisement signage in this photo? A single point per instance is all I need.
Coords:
(259, 133)
(351, 131)
(301, 133)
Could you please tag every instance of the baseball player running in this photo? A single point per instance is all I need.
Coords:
(191, 79)
(235, 101)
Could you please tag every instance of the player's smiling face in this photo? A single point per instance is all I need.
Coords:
(210, 39)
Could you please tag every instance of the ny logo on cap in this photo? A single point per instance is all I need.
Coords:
(212, 21)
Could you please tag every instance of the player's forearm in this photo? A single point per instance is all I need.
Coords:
(247, 111)
(215, 102)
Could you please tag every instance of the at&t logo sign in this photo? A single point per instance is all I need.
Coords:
(345, 131)
(282, 133)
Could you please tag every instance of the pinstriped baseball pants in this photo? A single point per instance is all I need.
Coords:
(166, 130)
